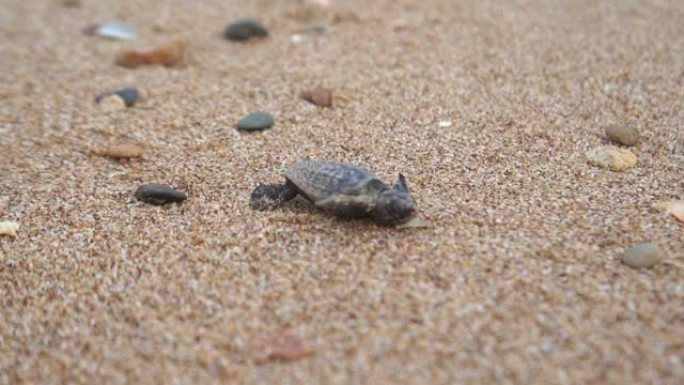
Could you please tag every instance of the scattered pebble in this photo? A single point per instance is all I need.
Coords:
(111, 102)
(9, 228)
(130, 95)
(71, 3)
(612, 158)
(322, 3)
(279, 346)
(121, 151)
(643, 255)
(319, 96)
(116, 30)
(345, 16)
(444, 123)
(159, 194)
(400, 24)
(297, 38)
(245, 29)
(166, 55)
(674, 208)
(414, 223)
(256, 121)
(625, 134)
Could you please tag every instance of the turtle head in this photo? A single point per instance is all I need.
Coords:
(395, 205)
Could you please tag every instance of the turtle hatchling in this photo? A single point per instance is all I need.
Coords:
(341, 189)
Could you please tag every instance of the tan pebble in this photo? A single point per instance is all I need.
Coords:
(674, 208)
(643, 255)
(319, 96)
(322, 3)
(414, 223)
(9, 228)
(124, 150)
(345, 16)
(112, 103)
(612, 158)
(625, 134)
(280, 346)
(400, 24)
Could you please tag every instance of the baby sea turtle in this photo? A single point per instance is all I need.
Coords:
(342, 189)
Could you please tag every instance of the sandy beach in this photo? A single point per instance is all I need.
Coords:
(487, 107)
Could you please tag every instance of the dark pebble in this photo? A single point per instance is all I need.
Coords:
(245, 29)
(159, 194)
(130, 95)
(256, 121)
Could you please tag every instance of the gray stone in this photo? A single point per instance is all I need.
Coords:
(130, 95)
(244, 29)
(256, 121)
(643, 255)
(159, 194)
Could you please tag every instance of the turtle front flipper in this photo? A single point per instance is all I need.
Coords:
(349, 206)
(270, 196)
(401, 184)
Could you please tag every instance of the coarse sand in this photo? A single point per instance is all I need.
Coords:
(519, 279)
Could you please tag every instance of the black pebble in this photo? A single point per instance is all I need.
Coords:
(130, 95)
(159, 194)
(245, 29)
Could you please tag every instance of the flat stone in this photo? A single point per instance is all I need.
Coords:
(116, 30)
(414, 223)
(625, 134)
(612, 158)
(9, 228)
(256, 121)
(319, 96)
(245, 29)
(130, 95)
(159, 194)
(643, 255)
(121, 151)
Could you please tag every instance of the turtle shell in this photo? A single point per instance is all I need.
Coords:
(342, 188)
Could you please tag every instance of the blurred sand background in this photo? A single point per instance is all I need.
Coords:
(518, 281)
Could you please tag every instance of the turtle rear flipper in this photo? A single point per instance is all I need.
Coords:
(269, 196)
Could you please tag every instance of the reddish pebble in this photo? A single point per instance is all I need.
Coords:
(167, 55)
(319, 96)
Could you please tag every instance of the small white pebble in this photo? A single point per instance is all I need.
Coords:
(112, 103)
(296, 38)
(444, 123)
(9, 228)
